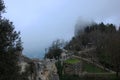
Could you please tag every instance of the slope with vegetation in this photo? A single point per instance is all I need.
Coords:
(10, 49)
(72, 61)
(105, 38)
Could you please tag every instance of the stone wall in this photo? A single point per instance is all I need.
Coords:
(72, 68)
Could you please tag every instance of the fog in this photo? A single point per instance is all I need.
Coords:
(43, 21)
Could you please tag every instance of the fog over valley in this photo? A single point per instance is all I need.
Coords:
(43, 21)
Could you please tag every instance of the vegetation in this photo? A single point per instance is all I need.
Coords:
(104, 37)
(90, 68)
(70, 77)
(10, 49)
(76, 77)
(106, 40)
(72, 61)
(55, 50)
(65, 76)
(59, 68)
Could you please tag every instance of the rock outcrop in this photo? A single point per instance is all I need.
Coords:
(39, 69)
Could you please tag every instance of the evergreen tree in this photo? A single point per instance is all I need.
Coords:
(10, 44)
(55, 50)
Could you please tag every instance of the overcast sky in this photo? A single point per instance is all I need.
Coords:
(43, 21)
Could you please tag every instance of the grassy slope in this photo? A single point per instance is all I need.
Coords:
(92, 69)
(72, 61)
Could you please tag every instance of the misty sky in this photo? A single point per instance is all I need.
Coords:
(43, 21)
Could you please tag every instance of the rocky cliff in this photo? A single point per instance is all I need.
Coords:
(39, 69)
